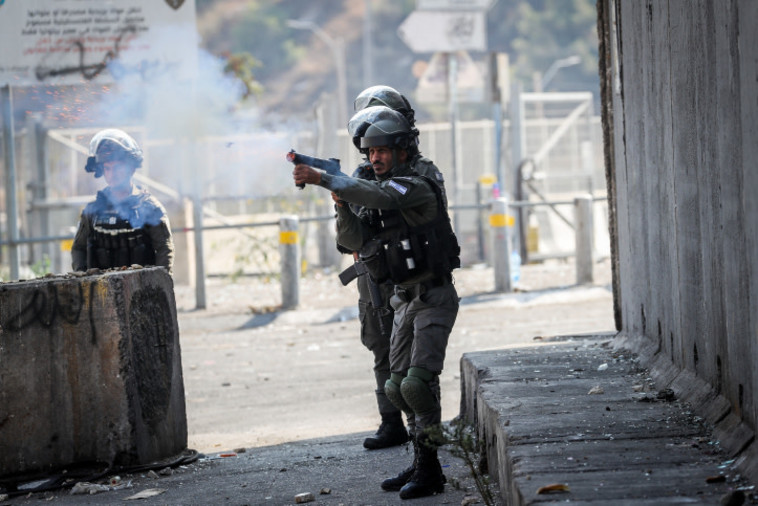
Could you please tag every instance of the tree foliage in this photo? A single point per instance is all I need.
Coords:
(534, 33)
(548, 30)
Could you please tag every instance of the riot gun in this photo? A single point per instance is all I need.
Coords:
(330, 166)
(360, 269)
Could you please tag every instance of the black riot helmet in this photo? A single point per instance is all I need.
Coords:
(109, 145)
(386, 96)
(379, 125)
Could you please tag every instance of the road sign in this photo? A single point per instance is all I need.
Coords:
(67, 42)
(432, 31)
(434, 84)
(461, 5)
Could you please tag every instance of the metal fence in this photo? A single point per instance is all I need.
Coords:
(244, 179)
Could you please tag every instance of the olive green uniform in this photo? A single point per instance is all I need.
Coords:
(371, 335)
(425, 305)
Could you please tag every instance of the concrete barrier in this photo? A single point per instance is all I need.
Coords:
(90, 371)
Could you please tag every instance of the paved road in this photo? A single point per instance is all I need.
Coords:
(260, 379)
(290, 394)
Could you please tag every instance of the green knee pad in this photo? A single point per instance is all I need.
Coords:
(416, 391)
(393, 393)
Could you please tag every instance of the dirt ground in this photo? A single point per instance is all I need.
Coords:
(254, 377)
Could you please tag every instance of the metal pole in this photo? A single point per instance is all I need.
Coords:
(496, 95)
(584, 239)
(341, 80)
(501, 248)
(197, 223)
(453, 99)
(6, 102)
(338, 53)
(479, 227)
(517, 135)
(40, 186)
(368, 45)
(518, 152)
(289, 250)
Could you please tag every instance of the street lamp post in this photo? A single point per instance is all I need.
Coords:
(557, 65)
(337, 47)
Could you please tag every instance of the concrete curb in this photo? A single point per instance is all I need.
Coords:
(585, 418)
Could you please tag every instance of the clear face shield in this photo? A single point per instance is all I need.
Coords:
(383, 118)
(112, 145)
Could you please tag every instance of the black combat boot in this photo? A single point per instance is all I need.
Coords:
(396, 483)
(391, 432)
(427, 479)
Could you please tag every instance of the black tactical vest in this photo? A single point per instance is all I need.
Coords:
(118, 236)
(399, 252)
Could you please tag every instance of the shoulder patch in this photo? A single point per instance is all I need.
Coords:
(397, 186)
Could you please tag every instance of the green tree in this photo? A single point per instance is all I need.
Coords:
(536, 33)
(241, 65)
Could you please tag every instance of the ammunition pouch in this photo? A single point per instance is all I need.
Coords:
(106, 251)
(404, 260)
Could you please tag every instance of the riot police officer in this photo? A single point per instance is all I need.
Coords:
(125, 224)
(403, 234)
(376, 322)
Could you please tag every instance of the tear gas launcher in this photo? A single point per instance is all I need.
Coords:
(330, 166)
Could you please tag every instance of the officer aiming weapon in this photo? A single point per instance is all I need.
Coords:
(360, 269)
(330, 166)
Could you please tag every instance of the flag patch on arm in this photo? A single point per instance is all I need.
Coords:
(400, 188)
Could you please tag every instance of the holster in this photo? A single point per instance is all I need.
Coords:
(373, 257)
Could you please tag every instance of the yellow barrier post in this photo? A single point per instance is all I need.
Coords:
(289, 250)
(501, 248)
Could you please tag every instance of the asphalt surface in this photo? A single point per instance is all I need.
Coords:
(278, 404)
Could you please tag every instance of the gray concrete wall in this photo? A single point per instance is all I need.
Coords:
(681, 116)
(90, 371)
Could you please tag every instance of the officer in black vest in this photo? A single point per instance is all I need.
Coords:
(125, 224)
(376, 322)
(404, 235)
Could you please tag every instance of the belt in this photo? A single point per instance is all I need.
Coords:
(438, 281)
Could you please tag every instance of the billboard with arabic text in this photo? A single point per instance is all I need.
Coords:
(66, 42)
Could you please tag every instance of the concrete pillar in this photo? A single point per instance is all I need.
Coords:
(91, 371)
(289, 251)
(501, 248)
(583, 229)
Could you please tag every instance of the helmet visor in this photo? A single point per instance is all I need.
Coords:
(112, 140)
(379, 95)
(373, 116)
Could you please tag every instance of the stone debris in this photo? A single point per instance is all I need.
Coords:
(304, 497)
(84, 487)
(145, 494)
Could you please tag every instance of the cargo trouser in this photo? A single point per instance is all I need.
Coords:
(373, 339)
(424, 317)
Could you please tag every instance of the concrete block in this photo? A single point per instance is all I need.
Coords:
(90, 371)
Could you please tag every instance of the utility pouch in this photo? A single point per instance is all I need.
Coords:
(372, 255)
(403, 260)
